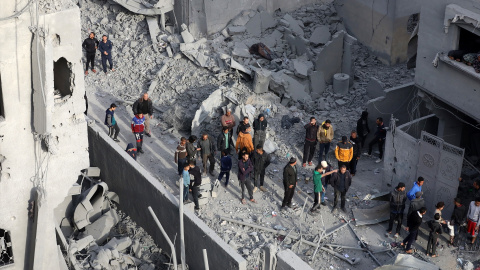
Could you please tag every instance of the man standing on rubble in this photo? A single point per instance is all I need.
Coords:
(398, 197)
(228, 120)
(356, 152)
(196, 183)
(111, 123)
(413, 224)
(138, 126)
(362, 128)
(325, 137)
(245, 167)
(90, 46)
(311, 130)
(225, 141)
(207, 151)
(289, 182)
(341, 182)
(261, 160)
(181, 155)
(344, 153)
(260, 131)
(144, 105)
(105, 48)
(379, 139)
(244, 137)
(326, 167)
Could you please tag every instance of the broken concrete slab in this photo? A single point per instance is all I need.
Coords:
(139, 7)
(407, 262)
(91, 205)
(100, 229)
(186, 36)
(236, 30)
(288, 260)
(302, 67)
(372, 215)
(119, 244)
(320, 36)
(235, 65)
(341, 82)
(295, 89)
(261, 81)
(254, 26)
(267, 21)
(329, 59)
(272, 39)
(240, 49)
(317, 84)
(348, 66)
(152, 22)
(375, 88)
(207, 107)
(294, 25)
(152, 86)
(298, 45)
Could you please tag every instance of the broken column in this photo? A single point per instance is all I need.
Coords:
(347, 59)
(341, 83)
(261, 81)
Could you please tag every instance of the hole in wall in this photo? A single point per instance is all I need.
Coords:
(56, 40)
(62, 78)
(412, 22)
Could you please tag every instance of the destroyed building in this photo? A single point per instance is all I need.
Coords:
(71, 198)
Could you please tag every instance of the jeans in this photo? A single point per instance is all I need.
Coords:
(113, 131)
(432, 243)
(410, 239)
(185, 193)
(106, 58)
(353, 165)
(208, 158)
(308, 151)
(361, 139)
(227, 176)
(259, 138)
(395, 217)
(139, 139)
(323, 147)
(380, 143)
(288, 196)
(248, 184)
(259, 178)
(195, 192)
(322, 196)
(341, 194)
(181, 165)
(90, 60)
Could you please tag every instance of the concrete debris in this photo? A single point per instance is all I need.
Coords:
(329, 59)
(254, 25)
(186, 36)
(302, 67)
(375, 88)
(405, 261)
(100, 229)
(320, 36)
(373, 215)
(235, 65)
(91, 205)
(294, 25)
(341, 83)
(267, 21)
(287, 260)
(153, 28)
(261, 81)
(145, 8)
(236, 30)
(317, 84)
(209, 106)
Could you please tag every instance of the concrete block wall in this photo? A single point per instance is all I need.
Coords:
(26, 158)
(138, 189)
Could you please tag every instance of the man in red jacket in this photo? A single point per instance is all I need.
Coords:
(138, 126)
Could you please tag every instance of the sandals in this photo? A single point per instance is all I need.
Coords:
(243, 201)
(433, 256)
(253, 201)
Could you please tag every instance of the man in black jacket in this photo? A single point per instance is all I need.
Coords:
(261, 160)
(144, 105)
(379, 139)
(195, 183)
(341, 182)
(260, 131)
(458, 218)
(435, 231)
(225, 141)
(356, 152)
(90, 46)
(311, 130)
(362, 128)
(289, 182)
(207, 151)
(413, 224)
(398, 197)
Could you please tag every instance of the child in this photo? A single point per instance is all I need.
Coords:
(317, 186)
(435, 231)
(132, 151)
(138, 126)
(186, 182)
(225, 166)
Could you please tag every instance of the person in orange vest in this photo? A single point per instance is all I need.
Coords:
(344, 153)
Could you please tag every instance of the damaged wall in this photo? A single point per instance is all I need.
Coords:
(130, 180)
(446, 78)
(50, 163)
(380, 25)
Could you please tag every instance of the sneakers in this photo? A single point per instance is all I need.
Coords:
(94, 71)
(148, 134)
(197, 208)
(255, 189)
(117, 140)
(378, 160)
(323, 203)
(367, 154)
(310, 163)
(263, 189)
(304, 165)
(141, 151)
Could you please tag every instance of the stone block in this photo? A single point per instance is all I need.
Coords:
(341, 83)
(119, 244)
(254, 26)
(287, 260)
(329, 59)
(317, 84)
(301, 67)
(92, 172)
(152, 22)
(169, 52)
(137, 249)
(261, 81)
(321, 35)
(152, 86)
(267, 21)
(187, 37)
(294, 25)
(235, 65)
(236, 30)
(295, 89)
(100, 229)
(375, 88)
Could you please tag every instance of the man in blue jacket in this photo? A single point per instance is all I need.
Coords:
(417, 186)
(105, 48)
(110, 121)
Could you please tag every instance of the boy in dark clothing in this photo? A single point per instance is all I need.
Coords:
(225, 141)
(245, 167)
(341, 182)
(90, 46)
(260, 130)
(311, 130)
(181, 155)
(362, 128)
(225, 166)
(207, 150)
(317, 186)
(138, 126)
(111, 123)
(326, 167)
(379, 139)
(435, 231)
(416, 203)
(195, 183)
(105, 48)
(261, 160)
(398, 197)
(458, 218)
(289, 182)
(413, 224)
(131, 151)
(191, 149)
(356, 152)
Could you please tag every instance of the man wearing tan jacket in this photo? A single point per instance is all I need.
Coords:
(325, 136)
